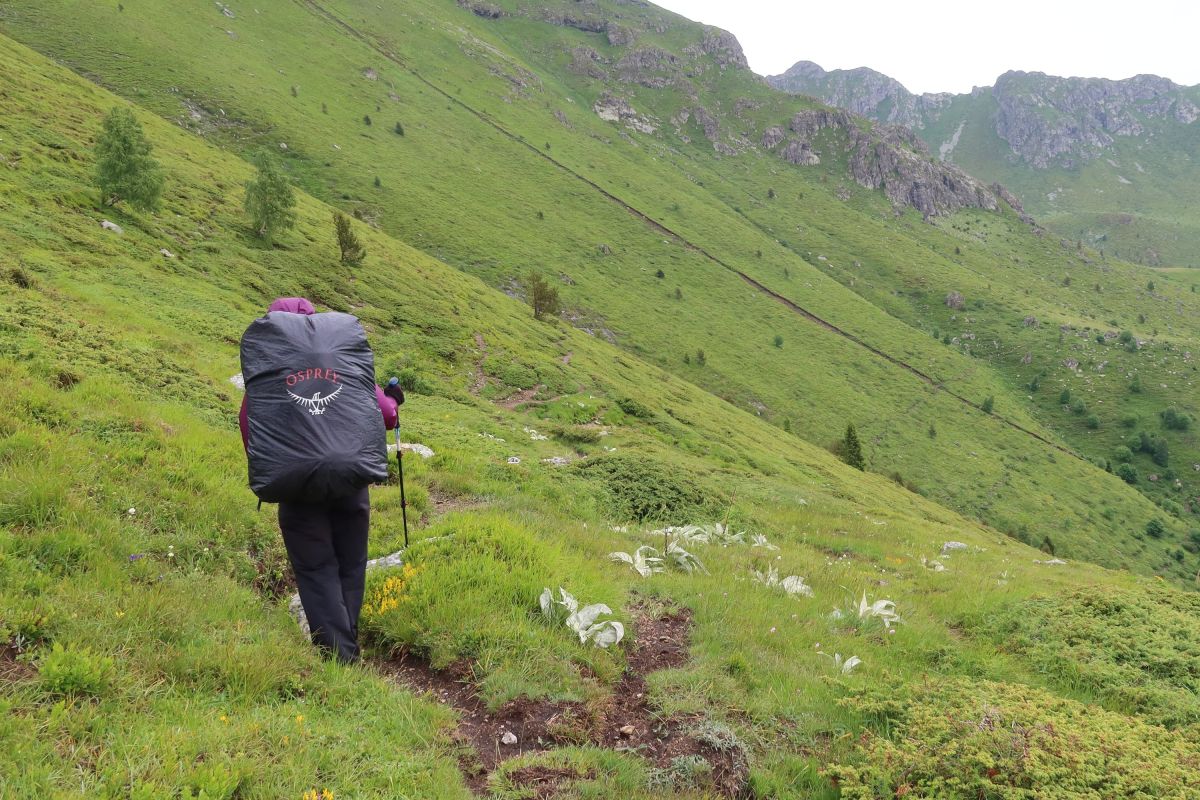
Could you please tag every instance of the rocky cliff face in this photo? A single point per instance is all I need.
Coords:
(888, 157)
(863, 91)
(1065, 121)
(1046, 121)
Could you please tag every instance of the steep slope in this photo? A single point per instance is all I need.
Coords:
(517, 152)
(144, 646)
(1108, 163)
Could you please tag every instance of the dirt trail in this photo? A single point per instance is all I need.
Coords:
(662, 229)
(625, 721)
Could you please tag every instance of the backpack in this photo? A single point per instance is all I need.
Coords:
(315, 432)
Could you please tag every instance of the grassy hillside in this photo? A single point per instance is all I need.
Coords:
(503, 166)
(147, 651)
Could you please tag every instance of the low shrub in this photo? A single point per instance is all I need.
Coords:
(641, 489)
(634, 408)
(75, 672)
(1136, 649)
(958, 738)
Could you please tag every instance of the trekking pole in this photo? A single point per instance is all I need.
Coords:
(394, 387)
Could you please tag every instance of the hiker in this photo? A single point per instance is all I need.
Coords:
(311, 429)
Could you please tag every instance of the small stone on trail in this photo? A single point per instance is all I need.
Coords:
(514, 460)
(508, 738)
(627, 731)
(948, 546)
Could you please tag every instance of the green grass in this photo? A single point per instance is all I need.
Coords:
(116, 361)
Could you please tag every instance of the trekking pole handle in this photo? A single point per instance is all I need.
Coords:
(395, 391)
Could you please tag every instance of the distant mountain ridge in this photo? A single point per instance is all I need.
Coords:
(1047, 120)
(1090, 156)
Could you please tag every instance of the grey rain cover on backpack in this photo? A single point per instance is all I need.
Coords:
(315, 431)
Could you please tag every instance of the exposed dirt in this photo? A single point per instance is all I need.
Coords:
(274, 578)
(537, 724)
(625, 721)
(441, 504)
(520, 398)
(12, 670)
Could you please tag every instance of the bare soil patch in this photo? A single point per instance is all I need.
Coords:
(12, 670)
(625, 721)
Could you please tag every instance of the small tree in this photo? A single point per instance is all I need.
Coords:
(351, 249)
(399, 129)
(852, 452)
(778, 340)
(1127, 473)
(367, 120)
(270, 200)
(701, 359)
(542, 296)
(1155, 528)
(125, 169)
(989, 403)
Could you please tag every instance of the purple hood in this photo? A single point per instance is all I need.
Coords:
(292, 305)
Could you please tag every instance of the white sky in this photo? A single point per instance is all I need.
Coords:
(952, 45)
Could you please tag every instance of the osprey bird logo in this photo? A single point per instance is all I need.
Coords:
(316, 404)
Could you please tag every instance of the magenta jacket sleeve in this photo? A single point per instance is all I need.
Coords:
(388, 406)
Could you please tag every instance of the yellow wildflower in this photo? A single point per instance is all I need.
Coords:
(225, 719)
(299, 719)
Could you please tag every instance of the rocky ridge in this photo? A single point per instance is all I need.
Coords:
(1045, 120)
(626, 55)
(890, 158)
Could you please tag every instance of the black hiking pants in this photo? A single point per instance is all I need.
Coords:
(327, 545)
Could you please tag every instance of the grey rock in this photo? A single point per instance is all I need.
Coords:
(772, 137)
(480, 9)
(112, 226)
(725, 49)
(798, 152)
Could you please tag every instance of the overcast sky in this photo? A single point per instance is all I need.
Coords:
(952, 45)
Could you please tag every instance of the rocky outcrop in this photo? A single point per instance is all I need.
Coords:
(651, 67)
(611, 108)
(586, 61)
(861, 91)
(705, 119)
(799, 153)
(1050, 121)
(725, 49)
(810, 122)
(619, 36)
(482, 9)
(1047, 121)
(772, 137)
(889, 157)
(886, 159)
